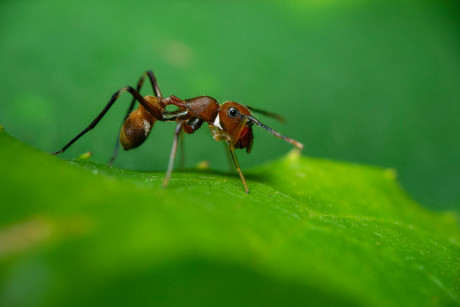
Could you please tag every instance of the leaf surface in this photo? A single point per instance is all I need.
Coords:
(77, 233)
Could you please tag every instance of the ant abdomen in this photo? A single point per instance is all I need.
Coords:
(138, 125)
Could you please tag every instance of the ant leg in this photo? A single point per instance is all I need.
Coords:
(237, 165)
(220, 135)
(175, 115)
(189, 126)
(175, 101)
(182, 151)
(229, 157)
(173, 153)
(156, 90)
(155, 113)
(153, 82)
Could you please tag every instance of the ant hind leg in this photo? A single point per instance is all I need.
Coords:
(155, 113)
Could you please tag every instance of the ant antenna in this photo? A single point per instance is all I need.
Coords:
(266, 113)
(275, 133)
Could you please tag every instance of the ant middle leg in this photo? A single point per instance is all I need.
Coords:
(172, 156)
(182, 151)
(156, 90)
(157, 114)
(188, 126)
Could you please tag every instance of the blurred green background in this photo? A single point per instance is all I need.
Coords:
(364, 81)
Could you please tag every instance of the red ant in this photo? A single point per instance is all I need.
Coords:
(230, 122)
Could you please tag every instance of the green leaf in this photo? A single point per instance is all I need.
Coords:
(76, 233)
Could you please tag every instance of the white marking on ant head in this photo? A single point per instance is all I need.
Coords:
(217, 122)
(146, 127)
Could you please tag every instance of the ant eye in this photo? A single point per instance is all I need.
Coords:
(232, 112)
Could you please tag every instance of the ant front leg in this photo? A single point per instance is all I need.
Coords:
(155, 113)
(156, 90)
(231, 147)
(220, 135)
(229, 157)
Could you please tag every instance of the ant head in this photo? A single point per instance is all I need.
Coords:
(233, 118)
(233, 115)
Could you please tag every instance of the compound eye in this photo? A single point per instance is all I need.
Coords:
(233, 112)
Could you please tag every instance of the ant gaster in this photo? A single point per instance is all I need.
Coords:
(230, 122)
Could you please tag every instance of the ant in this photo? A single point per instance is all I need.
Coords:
(230, 122)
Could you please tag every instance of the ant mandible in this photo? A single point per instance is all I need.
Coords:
(230, 122)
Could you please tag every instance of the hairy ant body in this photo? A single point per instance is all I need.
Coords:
(230, 122)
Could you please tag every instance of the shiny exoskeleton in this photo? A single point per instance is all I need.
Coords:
(230, 121)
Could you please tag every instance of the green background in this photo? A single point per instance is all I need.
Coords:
(363, 81)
